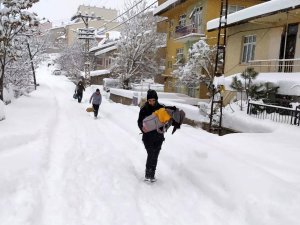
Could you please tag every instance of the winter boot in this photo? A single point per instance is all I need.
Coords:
(150, 175)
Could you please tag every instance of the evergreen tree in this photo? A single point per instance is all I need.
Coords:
(254, 91)
(248, 75)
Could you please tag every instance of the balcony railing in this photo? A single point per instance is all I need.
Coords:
(276, 65)
(181, 31)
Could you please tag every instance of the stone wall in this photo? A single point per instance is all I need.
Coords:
(120, 99)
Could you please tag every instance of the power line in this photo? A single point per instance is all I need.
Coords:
(121, 14)
(130, 17)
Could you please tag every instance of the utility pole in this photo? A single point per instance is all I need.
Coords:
(86, 34)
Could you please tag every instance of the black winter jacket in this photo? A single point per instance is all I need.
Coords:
(145, 111)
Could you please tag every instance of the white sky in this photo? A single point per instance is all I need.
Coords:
(60, 166)
(62, 10)
(58, 10)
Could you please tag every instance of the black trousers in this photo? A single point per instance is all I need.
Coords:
(79, 95)
(96, 109)
(153, 148)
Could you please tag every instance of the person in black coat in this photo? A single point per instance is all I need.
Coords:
(79, 90)
(152, 140)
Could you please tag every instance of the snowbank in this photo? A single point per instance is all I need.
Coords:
(2, 113)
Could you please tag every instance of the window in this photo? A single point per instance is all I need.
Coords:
(182, 20)
(235, 8)
(107, 62)
(196, 17)
(100, 62)
(169, 65)
(179, 55)
(248, 48)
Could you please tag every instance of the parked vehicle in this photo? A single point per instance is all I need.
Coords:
(110, 83)
(56, 72)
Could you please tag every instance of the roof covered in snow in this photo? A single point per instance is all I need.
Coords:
(260, 10)
(103, 45)
(105, 50)
(98, 72)
(165, 6)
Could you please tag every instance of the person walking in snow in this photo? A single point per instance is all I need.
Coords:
(79, 90)
(96, 100)
(152, 140)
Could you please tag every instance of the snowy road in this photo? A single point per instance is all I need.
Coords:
(59, 166)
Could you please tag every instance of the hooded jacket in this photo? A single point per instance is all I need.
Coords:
(96, 99)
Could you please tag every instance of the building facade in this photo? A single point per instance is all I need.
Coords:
(185, 23)
(266, 38)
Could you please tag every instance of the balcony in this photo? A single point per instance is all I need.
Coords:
(188, 33)
(276, 65)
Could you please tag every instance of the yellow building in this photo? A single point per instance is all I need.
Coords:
(264, 37)
(184, 24)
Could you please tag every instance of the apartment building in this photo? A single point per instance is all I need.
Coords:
(265, 37)
(185, 23)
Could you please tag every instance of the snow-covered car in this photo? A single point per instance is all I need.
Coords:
(110, 83)
(56, 72)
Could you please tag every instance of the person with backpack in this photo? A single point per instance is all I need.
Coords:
(152, 140)
(96, 100)
(79, 90)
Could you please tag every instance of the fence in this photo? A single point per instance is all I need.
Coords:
(275, 113)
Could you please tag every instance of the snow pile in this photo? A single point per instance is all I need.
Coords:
(289, 83)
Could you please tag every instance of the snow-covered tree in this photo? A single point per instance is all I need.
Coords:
(15, 19)
(199, 67)
(20, 73)
(136, 57)
(72, 59)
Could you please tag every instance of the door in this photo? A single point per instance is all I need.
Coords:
(288, 47)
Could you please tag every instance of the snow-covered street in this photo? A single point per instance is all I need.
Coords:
(60, 166)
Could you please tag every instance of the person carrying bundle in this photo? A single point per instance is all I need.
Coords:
(159, 119)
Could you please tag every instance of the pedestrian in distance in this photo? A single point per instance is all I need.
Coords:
(96, 100)
(152, 140)
(79, 90)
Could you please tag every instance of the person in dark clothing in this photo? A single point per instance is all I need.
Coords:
(96, 100)
(152, 140)
(79, 90)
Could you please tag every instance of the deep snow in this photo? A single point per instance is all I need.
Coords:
(60, 166)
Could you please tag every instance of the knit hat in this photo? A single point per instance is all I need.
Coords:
(97, 90)
(152, 94)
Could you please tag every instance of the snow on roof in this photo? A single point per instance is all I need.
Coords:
(112, 35)
(106, 50)
(164, 6)
(289, 83)
(102, 46)
(97, 72)
(263, 9)
(62, 37)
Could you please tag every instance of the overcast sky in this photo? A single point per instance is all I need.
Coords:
(62, 10)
